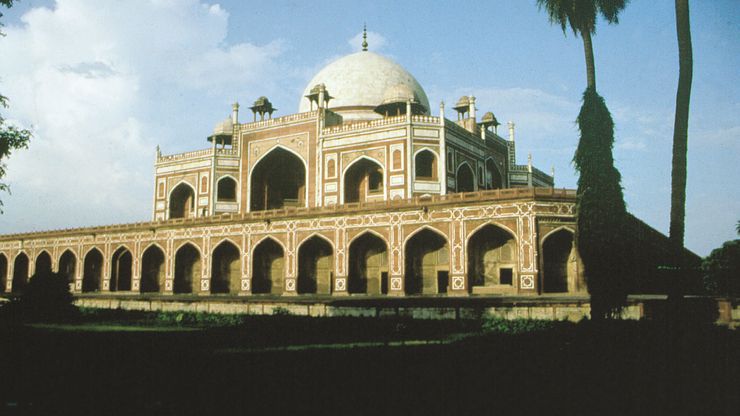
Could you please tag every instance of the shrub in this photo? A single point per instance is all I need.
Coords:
(45, 298)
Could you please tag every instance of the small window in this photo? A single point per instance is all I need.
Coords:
(506, 276)
(160, 190)
(204, 184)
(226, 189)
(425, 165)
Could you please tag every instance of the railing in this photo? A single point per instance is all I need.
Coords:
(365, 125)
(420, 118)
(187, 155)
(416, 202)
(279, 120)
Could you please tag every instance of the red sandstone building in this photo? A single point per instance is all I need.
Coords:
(363, 191)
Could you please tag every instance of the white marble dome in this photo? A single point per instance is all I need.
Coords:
(359, 82)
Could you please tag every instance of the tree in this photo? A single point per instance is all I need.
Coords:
(45, 298)
(721, 270)
(581, 15)
(11, 137)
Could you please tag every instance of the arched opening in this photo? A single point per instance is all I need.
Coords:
(425, 165)
(187, 269)
(315, 266)
(226, 270)
(226, 189)
(68, 266)
(152, 270)
(93, 271)
(492, 258)
(120, 270)
(268, 267)
(20, 272)
(43, 263)
(182, 201)
(363, 181)
(558, 257)
(278, 180)
(368, 265)
(427, 263)
(3, 272)
(465, 178)
(493, 177)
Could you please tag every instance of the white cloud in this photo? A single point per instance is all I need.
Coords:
(91, 79)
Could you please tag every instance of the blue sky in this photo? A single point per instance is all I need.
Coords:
(102, 83)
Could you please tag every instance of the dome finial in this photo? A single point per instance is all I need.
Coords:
(364, 37)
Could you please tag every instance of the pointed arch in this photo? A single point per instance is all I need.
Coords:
(226, 270)
(92, 276)
(559, 267)
(188, 263)
(268, 266)
(181, 200)
(426, 164)
(492, 256)
(68, 265)
(315, 265)
(122, 262)
(426, 256)
(3, 272)
(20, 271)
(152, 269)
(465, 178)
(279, 184)
(368, 264)
(494, 177)
(363, 178)
(369, 231)
(315, 234)
(43, 262)
(227, 188)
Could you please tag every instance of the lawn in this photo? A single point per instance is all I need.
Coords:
(146, 364)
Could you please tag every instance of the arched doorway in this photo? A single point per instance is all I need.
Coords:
(226, 270)
(493, 177)
(43, 263)
(152, 270)
(182, 201)
(368, 265)
(92, 271)
(20, 272)
(278, 180)
(3, 272)
(315, 266)
(187, 269)
(425, 165)
(268, 267)
(226, 189)
(558, 270)
(465, 178)
(363, 181)
(120, 270)
(427, 263)
(492, 258)
(68, 266)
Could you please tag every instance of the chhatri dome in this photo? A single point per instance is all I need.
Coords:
(360, 82)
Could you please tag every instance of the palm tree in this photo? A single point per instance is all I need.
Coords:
(580, 15)
(681, 125)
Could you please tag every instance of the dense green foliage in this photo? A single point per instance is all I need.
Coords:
(601, 211)
(721, 270)
(45, 298)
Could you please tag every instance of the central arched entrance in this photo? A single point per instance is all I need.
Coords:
(558, 256)
(226, 269)
(120, 270)
(368, 265)
(187, 269)
(182, 201)
(268, 267)
(93, 271)
(427, 263)
(315, 266)
(152, 270)
(492, 259)
(43, 263)
(363, 181)
(278, 180)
